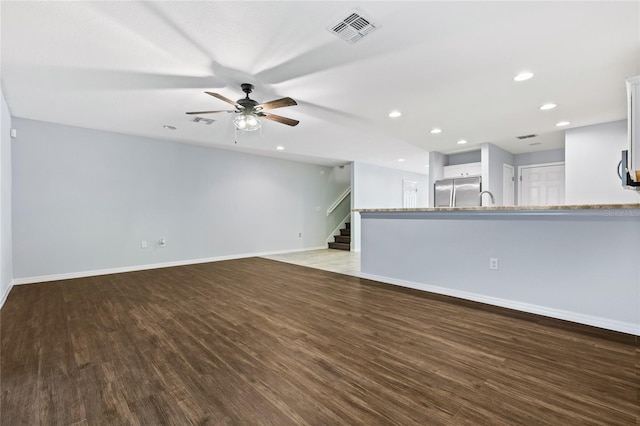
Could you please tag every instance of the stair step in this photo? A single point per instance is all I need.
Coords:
(342, 239)
(348, 225)
(340, 246)
(345, 232)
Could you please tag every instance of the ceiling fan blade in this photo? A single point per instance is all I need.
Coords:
(280, 119)
(222, 98)
(278, 103)
(210, 112)
(78, 79)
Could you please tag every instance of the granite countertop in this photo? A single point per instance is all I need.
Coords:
(507, 208)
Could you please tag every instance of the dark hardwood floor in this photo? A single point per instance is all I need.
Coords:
(255, 341)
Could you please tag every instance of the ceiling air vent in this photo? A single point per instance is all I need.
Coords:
(353, 27)
(526, 136)
(203, 120)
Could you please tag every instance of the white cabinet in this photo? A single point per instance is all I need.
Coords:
(463, 170)
(454, 171)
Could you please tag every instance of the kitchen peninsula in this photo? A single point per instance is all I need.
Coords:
(574, 262)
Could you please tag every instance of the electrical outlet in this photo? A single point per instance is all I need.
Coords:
(143, 244)
(493, 263)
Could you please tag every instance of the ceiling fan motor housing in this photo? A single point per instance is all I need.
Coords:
(247, 103)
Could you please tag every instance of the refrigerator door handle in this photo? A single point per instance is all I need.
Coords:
(452, 203)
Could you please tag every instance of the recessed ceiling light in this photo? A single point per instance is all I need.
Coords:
(395, 114)
(401, 159)
(436, 131)
(523, 76)
(547, 106)
(461, 142)
(280, 148)
(166, 126)
(562, 123)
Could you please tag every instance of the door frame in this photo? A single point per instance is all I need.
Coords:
(513, 194)
(529, 166)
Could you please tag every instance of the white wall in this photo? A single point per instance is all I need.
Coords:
(83, 200)
(592, 154)
(580, 265)
(380, 187)
(464, 158)
(493, 159)
(6, 259)
(437, 161)
(539, 157)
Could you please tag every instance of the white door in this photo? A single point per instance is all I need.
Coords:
(409, 194)
(541, 185)
(508, 184)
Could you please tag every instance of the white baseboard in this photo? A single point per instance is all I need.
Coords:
(606, 323)
(3, 297)
(83, 274)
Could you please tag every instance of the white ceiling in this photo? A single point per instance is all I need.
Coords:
(132, 67)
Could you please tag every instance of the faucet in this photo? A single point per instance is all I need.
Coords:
(493, 200)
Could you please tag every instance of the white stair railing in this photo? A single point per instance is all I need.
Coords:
(336, 203)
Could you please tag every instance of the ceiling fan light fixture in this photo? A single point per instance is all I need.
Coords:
(247, 122)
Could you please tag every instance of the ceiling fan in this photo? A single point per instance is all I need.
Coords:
(249, 110)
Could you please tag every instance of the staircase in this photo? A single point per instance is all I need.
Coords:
(342, 241)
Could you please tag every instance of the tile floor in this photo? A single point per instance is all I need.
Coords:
(343, 262)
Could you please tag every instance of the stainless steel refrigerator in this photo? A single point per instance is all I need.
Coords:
(458, 192)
